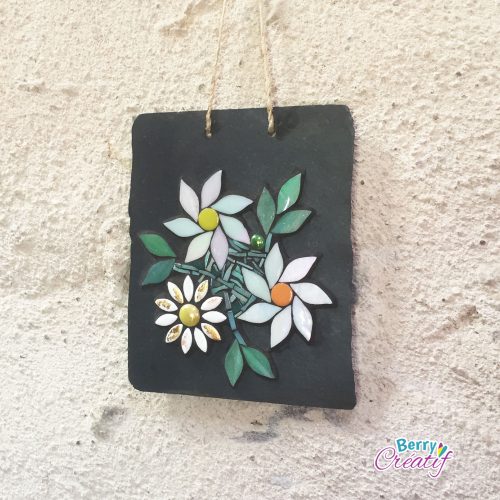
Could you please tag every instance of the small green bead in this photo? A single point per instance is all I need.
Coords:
(257, 242)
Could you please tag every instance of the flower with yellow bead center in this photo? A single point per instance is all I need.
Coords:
(208, 219)
(211, 221)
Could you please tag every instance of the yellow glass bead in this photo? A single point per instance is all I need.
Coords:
(208, 219)
(189, 315)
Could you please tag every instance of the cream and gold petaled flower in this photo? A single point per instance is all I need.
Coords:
(210, 221)
(284, 298)
(190, 318)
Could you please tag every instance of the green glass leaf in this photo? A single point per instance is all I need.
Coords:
(257, 361)
(291, 221)
(289, 193)
(157, 245)
(159, 272)
(233, 363)
(266, 210)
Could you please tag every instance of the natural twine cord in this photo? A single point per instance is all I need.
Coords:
(208, 116)
(271, 129)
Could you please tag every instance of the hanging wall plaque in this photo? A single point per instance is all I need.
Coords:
(241, 260)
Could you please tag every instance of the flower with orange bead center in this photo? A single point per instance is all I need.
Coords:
(281, 294)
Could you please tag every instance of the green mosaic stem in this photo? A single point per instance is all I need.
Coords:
(240, 297)
(251, 257)
(249, 253)
(237, 244)
(268, 242)
(186, 269)
(208, 274)
(254, 253)
(257, 268)
(236, 253)
(236, 277)
(232, 278)
(228, 271)
(247, 304)
(232, 322)
(242, 264)
(211, 263)
(218, 289)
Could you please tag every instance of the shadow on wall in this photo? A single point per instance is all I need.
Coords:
(375, 311)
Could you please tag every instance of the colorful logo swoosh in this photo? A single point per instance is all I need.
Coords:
(441, 449)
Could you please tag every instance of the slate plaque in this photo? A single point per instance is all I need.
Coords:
(314, 145)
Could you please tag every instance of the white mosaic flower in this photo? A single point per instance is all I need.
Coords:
(187, 316)
(284, 298)
(210, 221)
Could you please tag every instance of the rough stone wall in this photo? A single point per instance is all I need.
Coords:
(421, 79)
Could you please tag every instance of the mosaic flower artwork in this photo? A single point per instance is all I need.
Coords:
(249, 278)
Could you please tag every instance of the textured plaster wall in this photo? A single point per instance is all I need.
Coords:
(421, 79)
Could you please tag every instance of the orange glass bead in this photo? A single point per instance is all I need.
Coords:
(281, 294)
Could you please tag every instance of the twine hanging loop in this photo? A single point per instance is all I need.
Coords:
(271, 129)
(215, 72)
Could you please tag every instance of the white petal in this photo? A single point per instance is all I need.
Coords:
(173, 333)
(211, 189)
(188, 288)
(297, 269)
(273, 265)
(201, 291)
(231, 204)
(189, 200)
(281, 325)
(234, 229)
(166, 319)
(302, 318)
(214, 316)
(311, 293)
(259, 313)
(183, 227)
(198, 247)
(219, 247)
(186, 340)
(211, 332)
(200, 339)
(256, 284)
(175, 292)
(211, 303)
(166, 305)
